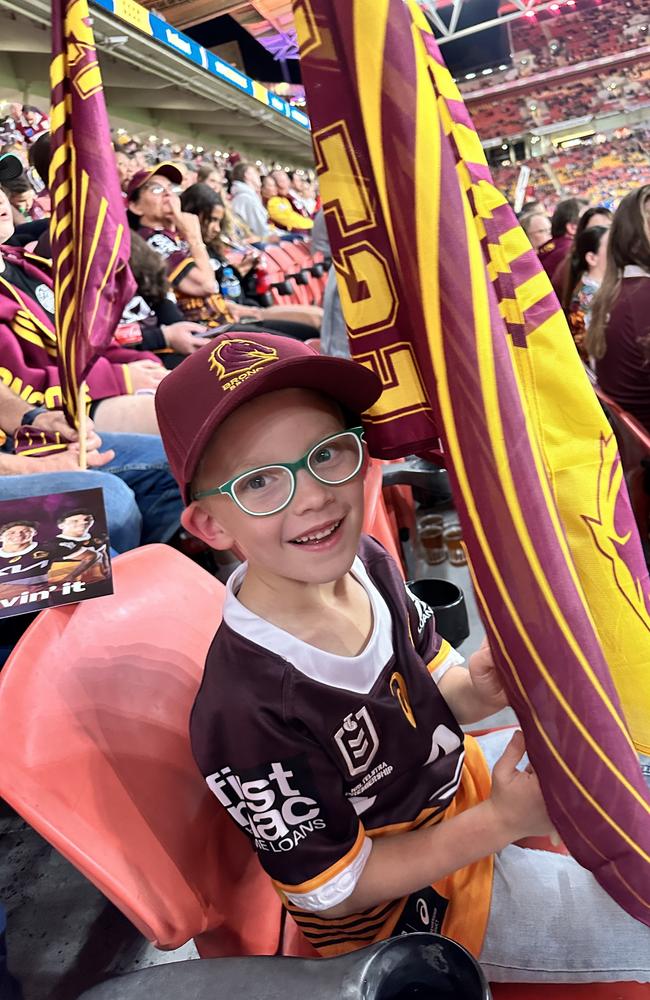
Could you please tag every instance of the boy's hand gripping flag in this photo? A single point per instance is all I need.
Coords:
(445, 299)
(88, 230)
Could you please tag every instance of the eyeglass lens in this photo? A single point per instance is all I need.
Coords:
(269, 489)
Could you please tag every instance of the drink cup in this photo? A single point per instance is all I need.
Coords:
(430, 531)
(453, 539)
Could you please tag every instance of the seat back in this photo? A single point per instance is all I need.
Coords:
(634, 446)
(94, 711)
(376, 519)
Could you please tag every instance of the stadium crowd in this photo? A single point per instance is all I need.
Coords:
(220, 244)
(554, 101)
(201, 260)
(556, 36)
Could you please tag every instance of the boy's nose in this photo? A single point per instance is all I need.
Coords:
(310, 493)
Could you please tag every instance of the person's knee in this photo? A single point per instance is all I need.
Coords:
(124, 414)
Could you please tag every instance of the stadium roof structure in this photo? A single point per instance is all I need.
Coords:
(156, 79)
(270, 22)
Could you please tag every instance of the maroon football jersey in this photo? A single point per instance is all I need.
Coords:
(172, 249)
(313, 755)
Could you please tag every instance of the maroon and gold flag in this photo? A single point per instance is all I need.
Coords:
(88, 230)
(444, 298)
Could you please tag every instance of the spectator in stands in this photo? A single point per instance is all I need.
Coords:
(21, 197)
(28, 346)
(537, 227)
(152, 321)
(155, 212)
(141, 498)
(284, 212)
(296, 321)
(29, 121)
(246, 200)
(39, 161)
(619, 332)
(269, 188)
(564, 223)
(586, 272)
(212, 176)
(562, 276)
(124, 166)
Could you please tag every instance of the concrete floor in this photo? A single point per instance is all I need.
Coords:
(63, 935)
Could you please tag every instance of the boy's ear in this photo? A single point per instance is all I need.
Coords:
(201, 523)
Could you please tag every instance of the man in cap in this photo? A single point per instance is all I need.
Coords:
(155, 213)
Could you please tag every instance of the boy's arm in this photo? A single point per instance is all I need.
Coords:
(407, 862)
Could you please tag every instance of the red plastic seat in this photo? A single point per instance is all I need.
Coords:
(94, 713)
(377, 521)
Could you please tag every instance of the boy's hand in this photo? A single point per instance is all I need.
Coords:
(485, 679)
(516, 796)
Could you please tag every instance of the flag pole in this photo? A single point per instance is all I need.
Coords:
(82, 425)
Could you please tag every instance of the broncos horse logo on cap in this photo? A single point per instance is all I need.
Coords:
(238, 359)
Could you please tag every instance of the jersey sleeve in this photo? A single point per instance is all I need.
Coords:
(178, 263)
(437, 653)
(281, 788)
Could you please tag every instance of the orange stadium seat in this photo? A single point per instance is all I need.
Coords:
(94, 710)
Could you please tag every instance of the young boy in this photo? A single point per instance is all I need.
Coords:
(328, 720)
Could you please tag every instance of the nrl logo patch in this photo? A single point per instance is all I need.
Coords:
(233, 361)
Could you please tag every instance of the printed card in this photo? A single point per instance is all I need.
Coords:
(54, 549)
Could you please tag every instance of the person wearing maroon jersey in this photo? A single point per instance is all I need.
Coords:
(328, 721)
(619, 332)
(564, 223)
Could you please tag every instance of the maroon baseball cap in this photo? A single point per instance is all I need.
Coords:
(233, 368)
(168, 170)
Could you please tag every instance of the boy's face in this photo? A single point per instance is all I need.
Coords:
(280, 427)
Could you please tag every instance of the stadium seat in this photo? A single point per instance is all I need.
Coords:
(94, 710)
(377, 521)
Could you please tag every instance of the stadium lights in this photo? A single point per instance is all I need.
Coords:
(470, 76)
(486, 72)
(502, 67)
(504, 145)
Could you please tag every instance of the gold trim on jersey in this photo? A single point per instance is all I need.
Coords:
(440, 657)
(171, 277)
(329, 873)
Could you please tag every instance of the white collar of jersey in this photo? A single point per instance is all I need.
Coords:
(352, 673)
(20, 552)
(634, 271)
(74, 538)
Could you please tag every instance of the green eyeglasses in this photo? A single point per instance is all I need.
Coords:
(269, 489)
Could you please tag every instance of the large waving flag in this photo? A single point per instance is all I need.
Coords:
(89, 231)
(444, 298)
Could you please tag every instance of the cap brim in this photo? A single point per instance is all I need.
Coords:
(347, 382)
(11, 167)
(168, 170)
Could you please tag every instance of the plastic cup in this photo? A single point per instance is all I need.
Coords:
(430, 531)
(453, 539)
